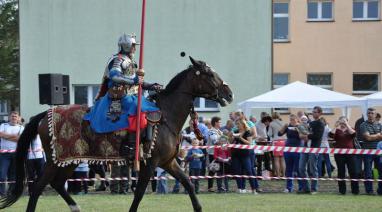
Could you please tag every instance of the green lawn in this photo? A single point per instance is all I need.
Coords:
(213, 202)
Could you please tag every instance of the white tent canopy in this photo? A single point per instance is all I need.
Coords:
(374, 99)
(301, 95)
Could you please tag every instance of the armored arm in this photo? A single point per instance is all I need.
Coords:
(120, 79)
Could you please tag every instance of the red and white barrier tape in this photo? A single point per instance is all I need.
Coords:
(294, 149)
(223, 176)
(276, 148)
(7, 151)
(12, 151)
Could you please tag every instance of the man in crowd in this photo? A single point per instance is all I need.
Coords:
(371, 131)
(213, 138)
(9, 134)
(313, 140)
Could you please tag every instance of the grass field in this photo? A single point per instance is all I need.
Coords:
(212, 202)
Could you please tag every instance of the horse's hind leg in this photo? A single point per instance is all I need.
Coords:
(58, 183)
(174, 169)
(144, 177)
(38, 187)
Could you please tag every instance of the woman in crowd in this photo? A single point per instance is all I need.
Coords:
(324, 159)
(262, 139)
(241, 162)
(291, 158)
(278, 156)
(343, 135)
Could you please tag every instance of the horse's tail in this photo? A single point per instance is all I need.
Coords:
(30, 132)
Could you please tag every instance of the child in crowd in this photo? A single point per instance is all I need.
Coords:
(223, 157)
(303, 128)
(195, 164)
(180, 160)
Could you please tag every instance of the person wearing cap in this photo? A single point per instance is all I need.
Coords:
(117, 97)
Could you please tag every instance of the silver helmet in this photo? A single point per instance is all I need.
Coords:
(125, 42)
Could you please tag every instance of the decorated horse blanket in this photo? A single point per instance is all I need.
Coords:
(73, 141)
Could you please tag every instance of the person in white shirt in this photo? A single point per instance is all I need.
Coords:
(35, 162)
(213, 138)
(9, 134)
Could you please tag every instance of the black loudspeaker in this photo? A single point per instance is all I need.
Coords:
(54, 89)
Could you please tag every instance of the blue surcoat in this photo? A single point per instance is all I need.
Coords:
(100, 122)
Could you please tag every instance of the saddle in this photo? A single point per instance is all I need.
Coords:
(148, 136)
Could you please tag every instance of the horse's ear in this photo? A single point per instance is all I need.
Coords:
(194, 62)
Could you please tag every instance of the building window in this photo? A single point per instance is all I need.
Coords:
(85, 94)
(3, 107)
(281, 21)
(322, 80)
(366, 10)
(365, 83)
(205, 105)
(279, 80)
(320, 10)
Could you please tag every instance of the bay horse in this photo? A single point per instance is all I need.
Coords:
(175, 101)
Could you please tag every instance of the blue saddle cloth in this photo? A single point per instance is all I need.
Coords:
(99, 121)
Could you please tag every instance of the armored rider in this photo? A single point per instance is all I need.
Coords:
(117, 98)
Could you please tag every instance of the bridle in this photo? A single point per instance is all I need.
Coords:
(216, 86)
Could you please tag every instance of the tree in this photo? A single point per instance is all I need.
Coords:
(9, 53)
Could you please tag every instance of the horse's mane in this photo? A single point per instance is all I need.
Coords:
(176, 81)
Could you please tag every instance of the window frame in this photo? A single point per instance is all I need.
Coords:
(202, 106)
(4, 105)
(325, 111)
(281, 110)
(366, 92)
(365, 11)
(319, 11)
(281, 15)
(90, 94)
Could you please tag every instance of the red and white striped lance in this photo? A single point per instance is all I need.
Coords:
(294, 149)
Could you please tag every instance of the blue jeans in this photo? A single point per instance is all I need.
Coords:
(379, 165)
(253, 165)
(195, 172)
(308, 159)
(368, 168)
(291, 169)
(328, 165)
(241, 165)
(162, 184)
(7, 170)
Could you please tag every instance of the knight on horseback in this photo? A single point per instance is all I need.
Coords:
(116, 101)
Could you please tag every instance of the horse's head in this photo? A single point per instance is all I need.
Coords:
(207, 83)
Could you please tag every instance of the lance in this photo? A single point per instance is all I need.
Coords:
(140, 72)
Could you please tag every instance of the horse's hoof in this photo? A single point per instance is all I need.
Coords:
(198, 209)
(74, 208)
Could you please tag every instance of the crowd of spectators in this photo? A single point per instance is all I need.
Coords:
(301, 130)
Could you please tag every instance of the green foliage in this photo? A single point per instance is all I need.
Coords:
(9, 52)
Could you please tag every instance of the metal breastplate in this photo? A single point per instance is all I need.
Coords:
(130, 72)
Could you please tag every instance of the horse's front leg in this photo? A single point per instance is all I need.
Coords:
(174, 169)
(143, 179)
